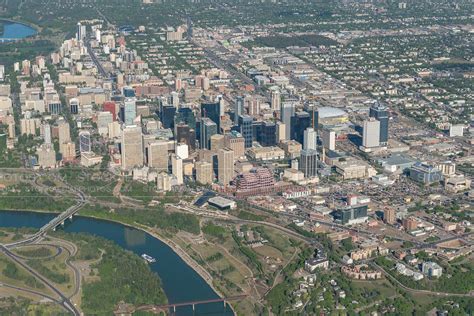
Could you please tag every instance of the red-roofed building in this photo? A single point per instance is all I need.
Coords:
(110, 106)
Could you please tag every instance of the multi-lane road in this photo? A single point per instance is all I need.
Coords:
(64, 301)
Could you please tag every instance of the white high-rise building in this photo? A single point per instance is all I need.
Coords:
(47, 134)
(328, 138)
(97, 35)
(310, 139)
(80, 32)
(2, 72)
(371, 133)
(177, 168)
(175, 99)
(182, 151)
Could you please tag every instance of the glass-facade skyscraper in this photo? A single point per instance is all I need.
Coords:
(212, 111)
(207, 129)
(239, 108)
(246, 129)
(299, 123)
(129, 111)
(380, 113)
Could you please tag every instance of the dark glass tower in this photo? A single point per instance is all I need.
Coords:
(186, 135)
(246, 129)
(380, 113)
(167, 116)
(299, 123)
(186, 116)
(265, 133)
(212, 111)
(207, 129)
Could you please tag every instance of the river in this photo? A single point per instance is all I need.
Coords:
(180, 282)
(13, 31)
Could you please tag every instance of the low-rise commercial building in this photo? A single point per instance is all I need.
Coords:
(266, 153)
(352, 168)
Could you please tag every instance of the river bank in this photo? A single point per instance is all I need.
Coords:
(203, 273)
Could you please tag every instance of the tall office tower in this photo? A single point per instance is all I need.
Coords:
(132, 147)
(276, 100)
(74, 106)
(239, 109)
(280, 131)
(128, 92)
(178, 84)
(46, 156)
(225, 166)
(98, 35)
(295, 164)
(68, 150)
(245, 127)
(204, 173)
(217, 142)
(167, 116)
(186, 135)
(265, 133)
(236, 143)
(328, 138)
(47, 133)
(351, 215)
(390, 215)
(64, 133)
(129, 111)
(206, 85)
(103, 120)
(310, 139)
(212, 111)
(157, 155)
(254, 106)
(182, 150)
(371, 133)
(313, 114)
(85, 145)
(309, 163)
(380, 113)
(287, 112)
(410, 223)
(110, 106)
(186, 116)
(208, 128)
(177, 168)
(80, 32)
(221, 101)
(175, 99)
(299, 123)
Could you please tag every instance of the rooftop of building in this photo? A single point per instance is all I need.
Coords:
(328, 111)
